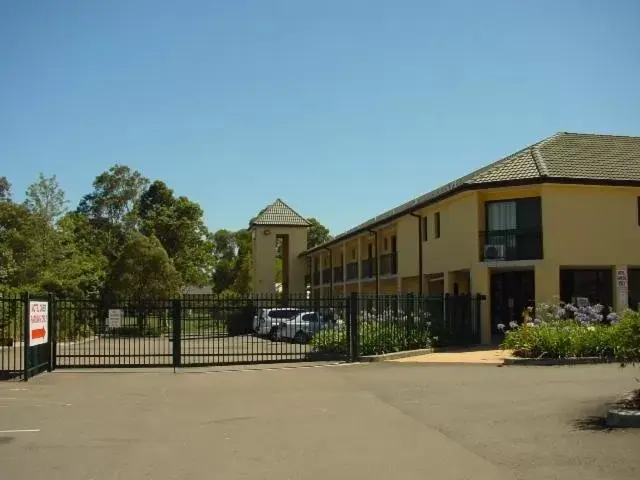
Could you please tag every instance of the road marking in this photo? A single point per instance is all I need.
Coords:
(34, 430)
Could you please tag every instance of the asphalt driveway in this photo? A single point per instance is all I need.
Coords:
(375, 421)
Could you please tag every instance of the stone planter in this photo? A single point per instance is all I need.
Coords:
(624, 414)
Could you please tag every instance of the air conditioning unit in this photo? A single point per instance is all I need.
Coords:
(494, 252)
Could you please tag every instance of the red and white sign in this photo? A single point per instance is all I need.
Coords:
(38, 322)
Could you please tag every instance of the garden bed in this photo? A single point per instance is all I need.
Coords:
(565, 334)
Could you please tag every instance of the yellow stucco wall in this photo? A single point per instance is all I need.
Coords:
(457, 246)
(264, 259)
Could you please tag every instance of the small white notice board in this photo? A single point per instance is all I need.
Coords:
(115, 318)
(38, 322)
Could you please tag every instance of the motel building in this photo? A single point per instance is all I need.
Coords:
(559, 219)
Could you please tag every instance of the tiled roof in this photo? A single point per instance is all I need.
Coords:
(566, 156)
(279, 213)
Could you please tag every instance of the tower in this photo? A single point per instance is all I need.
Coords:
(278, 228)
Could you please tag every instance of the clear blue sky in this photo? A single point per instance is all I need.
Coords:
(237, 102)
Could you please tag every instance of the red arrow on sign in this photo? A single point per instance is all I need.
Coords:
(39, 333)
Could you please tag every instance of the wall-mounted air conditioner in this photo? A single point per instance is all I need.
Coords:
(494, 252)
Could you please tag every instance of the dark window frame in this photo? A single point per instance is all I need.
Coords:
(436, 227)
(537, 198)
(425, 228)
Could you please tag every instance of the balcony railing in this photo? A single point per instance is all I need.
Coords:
(337, 274)
(316, 277)
(389, 264)
(352, 271)
(326, 275)
(501, 245)
(368, 268)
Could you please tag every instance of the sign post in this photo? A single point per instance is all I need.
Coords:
(37, 354)
(38, 322)
(115, 318)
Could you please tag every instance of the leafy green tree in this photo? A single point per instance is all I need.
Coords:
(5, 189)
(178, 224)
(79, 267)
(317, 233)
(45, 198)
(115, 195)
(23, 255)
(144, 271)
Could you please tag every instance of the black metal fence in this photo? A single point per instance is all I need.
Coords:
(202, 330)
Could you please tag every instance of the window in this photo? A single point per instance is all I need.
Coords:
(425, 224)
(386, 243)
(353, 254)
(437, 224)
(394, 244)
(520, 214)
(370, 250)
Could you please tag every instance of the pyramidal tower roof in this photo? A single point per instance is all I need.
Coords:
(280, 214)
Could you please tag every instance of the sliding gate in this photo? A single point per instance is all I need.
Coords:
(195, 331)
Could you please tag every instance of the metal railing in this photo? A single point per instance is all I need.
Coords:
(198, 330)
(389, 264)
(326, 276)
(337, 274)
(368, 268)
(352, 271)
(500, 245)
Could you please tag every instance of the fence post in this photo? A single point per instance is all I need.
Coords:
(176, 313)
(26, 333)
(52, 333)
(354, 343)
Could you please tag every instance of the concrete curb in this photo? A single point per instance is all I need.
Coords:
(554, 361)
(395, 355)
(620, 417)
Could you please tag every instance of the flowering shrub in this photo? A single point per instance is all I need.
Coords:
(566, 330)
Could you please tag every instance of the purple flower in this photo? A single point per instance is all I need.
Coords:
(571, 308)
(560, 312)
(612, 317)
(500, 327)
(513, 324)
(537, 321)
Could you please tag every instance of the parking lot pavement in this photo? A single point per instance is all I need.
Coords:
(375, 421)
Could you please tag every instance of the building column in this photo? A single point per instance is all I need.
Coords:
(620, 288)
(449, 280)
(479, 279)
(547, 283)
(343, 252)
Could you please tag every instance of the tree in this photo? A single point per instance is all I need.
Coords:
(5, 190)
(178, 224)
(115, 195)
(45, 198)
(144, 271)
(317, 233)
(79, 267)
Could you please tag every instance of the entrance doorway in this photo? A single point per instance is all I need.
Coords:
(511, 293)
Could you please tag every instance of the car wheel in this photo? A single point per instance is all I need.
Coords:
(301, 337)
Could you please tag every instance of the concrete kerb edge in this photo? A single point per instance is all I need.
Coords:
(395, 355)
(547, 362)
(620, 417)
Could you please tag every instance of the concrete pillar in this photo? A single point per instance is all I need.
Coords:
(449, 280)
(547, 283)
(620, 288)
(479, 277)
